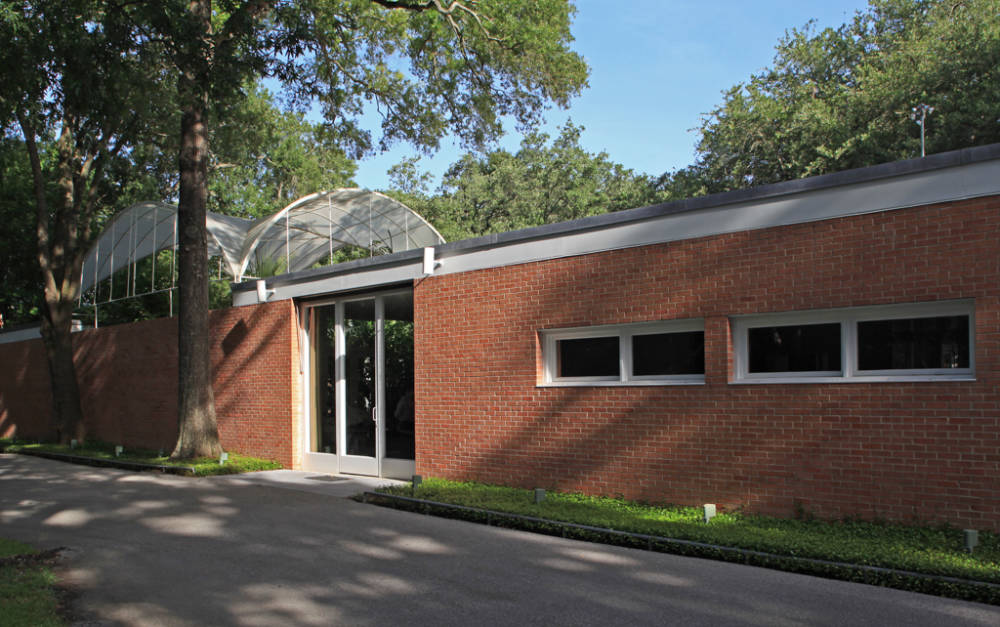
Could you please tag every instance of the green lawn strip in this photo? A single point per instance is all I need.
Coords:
(934, 551)
(26, 588)
(203, 466)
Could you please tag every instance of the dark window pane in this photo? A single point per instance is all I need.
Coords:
(398, 363)
(668, 353)
(913, 344)
(795, 348)
(588, 357)
(324, 432)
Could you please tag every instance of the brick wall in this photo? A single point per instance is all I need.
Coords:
(128, 382)
(903, 451)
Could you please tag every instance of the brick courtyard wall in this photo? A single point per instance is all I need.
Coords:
(128, 382)
(901, 451)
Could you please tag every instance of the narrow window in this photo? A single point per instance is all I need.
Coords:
(794, 348)
(588, 357)
(668, 353)
(914, 343)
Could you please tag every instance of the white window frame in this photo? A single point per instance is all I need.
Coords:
(848, 319)
(624, 333)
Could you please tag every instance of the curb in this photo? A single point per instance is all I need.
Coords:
(186, 471)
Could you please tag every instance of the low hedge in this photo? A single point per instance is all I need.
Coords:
(921, 558)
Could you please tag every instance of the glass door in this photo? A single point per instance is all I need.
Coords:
(359, 426)
(397, 390)
(361, 386)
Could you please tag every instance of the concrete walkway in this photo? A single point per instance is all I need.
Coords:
(286, 548)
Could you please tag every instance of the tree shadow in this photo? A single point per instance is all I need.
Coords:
(149, 549)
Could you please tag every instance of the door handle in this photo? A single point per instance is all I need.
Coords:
(374, 414)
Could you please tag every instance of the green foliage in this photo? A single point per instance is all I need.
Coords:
(26, 588)
(543, 182)
(19, 273)
(426, 71)
(930, 550)
(264, 158)
(842, 98)
(105, 452)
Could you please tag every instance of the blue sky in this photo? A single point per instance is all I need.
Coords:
(656, 66)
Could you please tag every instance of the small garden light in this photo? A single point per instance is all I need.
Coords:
(971, 539)
(223, 458)
(708, 511)
(539, 495)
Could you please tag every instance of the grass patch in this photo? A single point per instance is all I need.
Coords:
(931, 550)
(102, 451)
(26, 588)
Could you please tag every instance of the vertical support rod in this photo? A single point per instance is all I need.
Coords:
(156, 250)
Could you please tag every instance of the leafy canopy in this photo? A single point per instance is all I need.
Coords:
(546, 180)
(842, 98)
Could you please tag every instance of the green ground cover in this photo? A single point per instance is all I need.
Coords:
(931, 550)
(26, 588)
(103, 451)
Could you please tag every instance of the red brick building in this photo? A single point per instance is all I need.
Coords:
(829, 344)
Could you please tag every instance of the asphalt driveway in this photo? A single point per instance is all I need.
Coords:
(287, 548)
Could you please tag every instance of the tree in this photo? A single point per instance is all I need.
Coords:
(543, 182)
(469, 65)
(77, 94)
(262, 158)
(842, 98)
(20, 299)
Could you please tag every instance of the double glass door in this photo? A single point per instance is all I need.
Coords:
(362, 397)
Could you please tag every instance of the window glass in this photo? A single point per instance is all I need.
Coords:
(588, 357)
(914, 343)
(795, 348)
(668, 353)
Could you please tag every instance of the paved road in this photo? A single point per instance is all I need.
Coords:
(286, 548)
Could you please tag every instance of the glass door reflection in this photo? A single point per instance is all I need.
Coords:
(360, 377)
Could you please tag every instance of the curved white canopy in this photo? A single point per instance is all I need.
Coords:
(315, 226)
(300, 235)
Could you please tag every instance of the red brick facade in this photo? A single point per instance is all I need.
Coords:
(128, 383)
(902, 451)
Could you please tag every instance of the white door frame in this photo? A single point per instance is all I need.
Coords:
(339, 461)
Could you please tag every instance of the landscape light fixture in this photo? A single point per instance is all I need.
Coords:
(539, 495)
(708, 512)
(971, 539)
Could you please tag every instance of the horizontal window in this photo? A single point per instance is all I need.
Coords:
(892, 342)
(794, 348)
(588, 357)
(655, 353)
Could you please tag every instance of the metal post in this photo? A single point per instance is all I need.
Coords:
(921, 111)
(156, 250)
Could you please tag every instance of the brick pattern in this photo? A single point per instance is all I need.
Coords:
(902, 451)
(128, 382)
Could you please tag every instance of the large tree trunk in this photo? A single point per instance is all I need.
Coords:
(57, 321)
(59, 290)
(198, 433)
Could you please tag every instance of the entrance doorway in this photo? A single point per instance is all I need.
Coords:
(361, 397)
